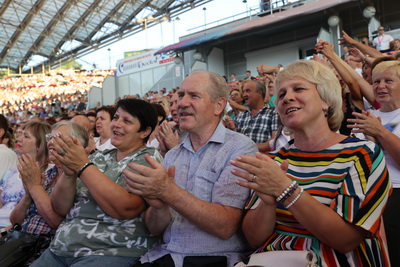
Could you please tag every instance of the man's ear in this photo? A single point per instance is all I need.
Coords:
(220, 105)
(2, 133)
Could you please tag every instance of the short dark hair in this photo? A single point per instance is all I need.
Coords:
(90, 114)
(109, 109)
(143, 111)
(160, 112)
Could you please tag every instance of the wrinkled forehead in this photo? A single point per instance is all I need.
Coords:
(196, 82)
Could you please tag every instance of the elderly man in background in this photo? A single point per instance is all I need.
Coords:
(260, 120)
(200, 200)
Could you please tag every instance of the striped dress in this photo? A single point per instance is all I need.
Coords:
(350, 178)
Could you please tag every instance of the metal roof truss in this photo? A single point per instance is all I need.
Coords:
(57, 30)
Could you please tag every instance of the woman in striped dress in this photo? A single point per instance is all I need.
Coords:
(322, 192)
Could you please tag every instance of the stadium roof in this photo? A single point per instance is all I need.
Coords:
(33, 32)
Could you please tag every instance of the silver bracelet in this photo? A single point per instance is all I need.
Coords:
(295, 199)
(287, 192)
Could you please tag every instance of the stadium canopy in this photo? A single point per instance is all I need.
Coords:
(38, 33)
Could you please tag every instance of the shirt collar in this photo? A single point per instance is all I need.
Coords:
(217, 137)
(266, 106)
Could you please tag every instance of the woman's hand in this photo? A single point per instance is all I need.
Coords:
(30, 172)
(232, 103)
(70, 153)
(263, 175)
(346, 39)
(367, 124)
(357, 54)
(229, 123)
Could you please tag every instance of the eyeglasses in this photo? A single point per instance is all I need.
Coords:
(48, 137)
(381, 30)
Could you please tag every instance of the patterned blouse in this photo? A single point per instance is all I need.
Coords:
(89, 230)
(351, 178)
(34, 222)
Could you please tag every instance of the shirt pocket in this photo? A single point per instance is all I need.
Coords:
(204, 184)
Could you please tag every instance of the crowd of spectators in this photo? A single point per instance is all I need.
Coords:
(23, 97)
(300, 154)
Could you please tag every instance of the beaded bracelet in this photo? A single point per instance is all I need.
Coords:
(287, 192)
(295, 199)
(84, 168)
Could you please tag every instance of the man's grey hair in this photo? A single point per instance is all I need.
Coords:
(218, 87)
(260, 87)
(75, 130)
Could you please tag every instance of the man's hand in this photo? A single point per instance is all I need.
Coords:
(150, 182)
(168, 136)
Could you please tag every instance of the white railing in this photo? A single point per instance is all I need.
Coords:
(252, 12)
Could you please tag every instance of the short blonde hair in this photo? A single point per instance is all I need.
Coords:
(328, 86)
(392, 65)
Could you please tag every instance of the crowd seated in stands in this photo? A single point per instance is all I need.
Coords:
(205, 199)
(30, 95)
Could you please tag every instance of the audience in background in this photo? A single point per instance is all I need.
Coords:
(182, 127)
(8, 158)
(259, 121)
(104, 115)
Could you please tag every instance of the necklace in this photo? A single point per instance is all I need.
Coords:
(322, 141)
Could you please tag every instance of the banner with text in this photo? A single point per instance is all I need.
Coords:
(143, 61)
